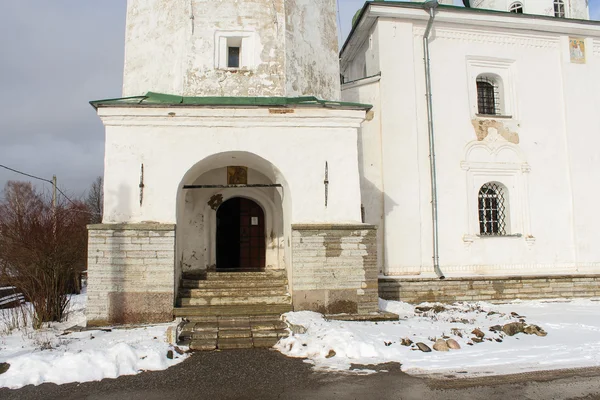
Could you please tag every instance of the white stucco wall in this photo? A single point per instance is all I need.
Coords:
(369, 157)
(174, 47)
(546, 166)
(296, 143)
(311, 46)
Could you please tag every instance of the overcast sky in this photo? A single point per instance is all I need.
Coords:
(56, 56)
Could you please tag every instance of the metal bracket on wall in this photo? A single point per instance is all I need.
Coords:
(192, 17)
(326, 182)
(142, 185)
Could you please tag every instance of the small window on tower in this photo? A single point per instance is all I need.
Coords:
(559, 9)
(516, 8)
(233, 57)
(235, 50)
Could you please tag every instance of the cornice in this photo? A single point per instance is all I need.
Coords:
(496, 37)
(231, 118)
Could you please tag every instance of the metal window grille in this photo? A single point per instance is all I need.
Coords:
(516, 8)
(559, 8)
(488, 96)
(492, 210)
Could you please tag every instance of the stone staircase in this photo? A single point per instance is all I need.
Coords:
(232, 310)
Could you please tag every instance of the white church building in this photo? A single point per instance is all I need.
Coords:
(252, 169)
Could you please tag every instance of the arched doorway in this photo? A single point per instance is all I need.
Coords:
(240, 235)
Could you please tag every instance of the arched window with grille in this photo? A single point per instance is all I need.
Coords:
(516, 8)
(559, 8)
(493, 205)
(488, 95)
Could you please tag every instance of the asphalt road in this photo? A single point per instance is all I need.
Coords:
(266, 374)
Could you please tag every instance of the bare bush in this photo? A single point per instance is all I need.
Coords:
(95, 201)
(42, 248)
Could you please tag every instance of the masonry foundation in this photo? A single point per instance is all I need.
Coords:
(130, 273)
(335, 268)
(494, 289)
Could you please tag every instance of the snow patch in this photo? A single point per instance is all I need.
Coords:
(573, 338)
(49, 355)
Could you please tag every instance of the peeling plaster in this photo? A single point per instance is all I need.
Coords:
(215, 201)
(166, 53)
(482, 127)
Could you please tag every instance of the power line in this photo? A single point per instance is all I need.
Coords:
(63, 193)
(47, 181)
(26, 174)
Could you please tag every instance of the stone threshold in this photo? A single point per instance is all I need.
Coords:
(333, 227)
(372, 317)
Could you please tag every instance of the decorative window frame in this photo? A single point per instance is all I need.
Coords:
(496, 160)
(249, 52)
(504, 71)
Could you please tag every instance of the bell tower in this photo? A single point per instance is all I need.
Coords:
(255, 48)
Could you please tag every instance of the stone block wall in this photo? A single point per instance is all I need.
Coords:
(491, 289)
(334, 268)
(131, 273)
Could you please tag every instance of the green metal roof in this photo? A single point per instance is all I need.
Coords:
(161, 99)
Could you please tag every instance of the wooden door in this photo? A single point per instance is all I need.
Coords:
(252, 235)
(240, 235)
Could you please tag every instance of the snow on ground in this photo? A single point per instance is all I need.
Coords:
(48, 355)
(573, 338)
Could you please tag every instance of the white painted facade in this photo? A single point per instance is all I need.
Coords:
(193, 146)
(543, 149)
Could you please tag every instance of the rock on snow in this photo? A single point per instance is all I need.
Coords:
(483, 338)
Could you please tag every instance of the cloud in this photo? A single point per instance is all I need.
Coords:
(56, 57)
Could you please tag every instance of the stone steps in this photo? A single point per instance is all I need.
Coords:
(233, 292)
(233, 300)
(198, 313)
(246, 276)
(230, 310)
(232, 332)
(232, 284)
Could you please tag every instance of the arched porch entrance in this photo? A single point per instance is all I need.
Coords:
(217, 201)
(240, 236)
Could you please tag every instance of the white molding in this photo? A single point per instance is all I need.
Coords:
(487, 37)
(503, 68)
(231, 117)
(490, 270)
